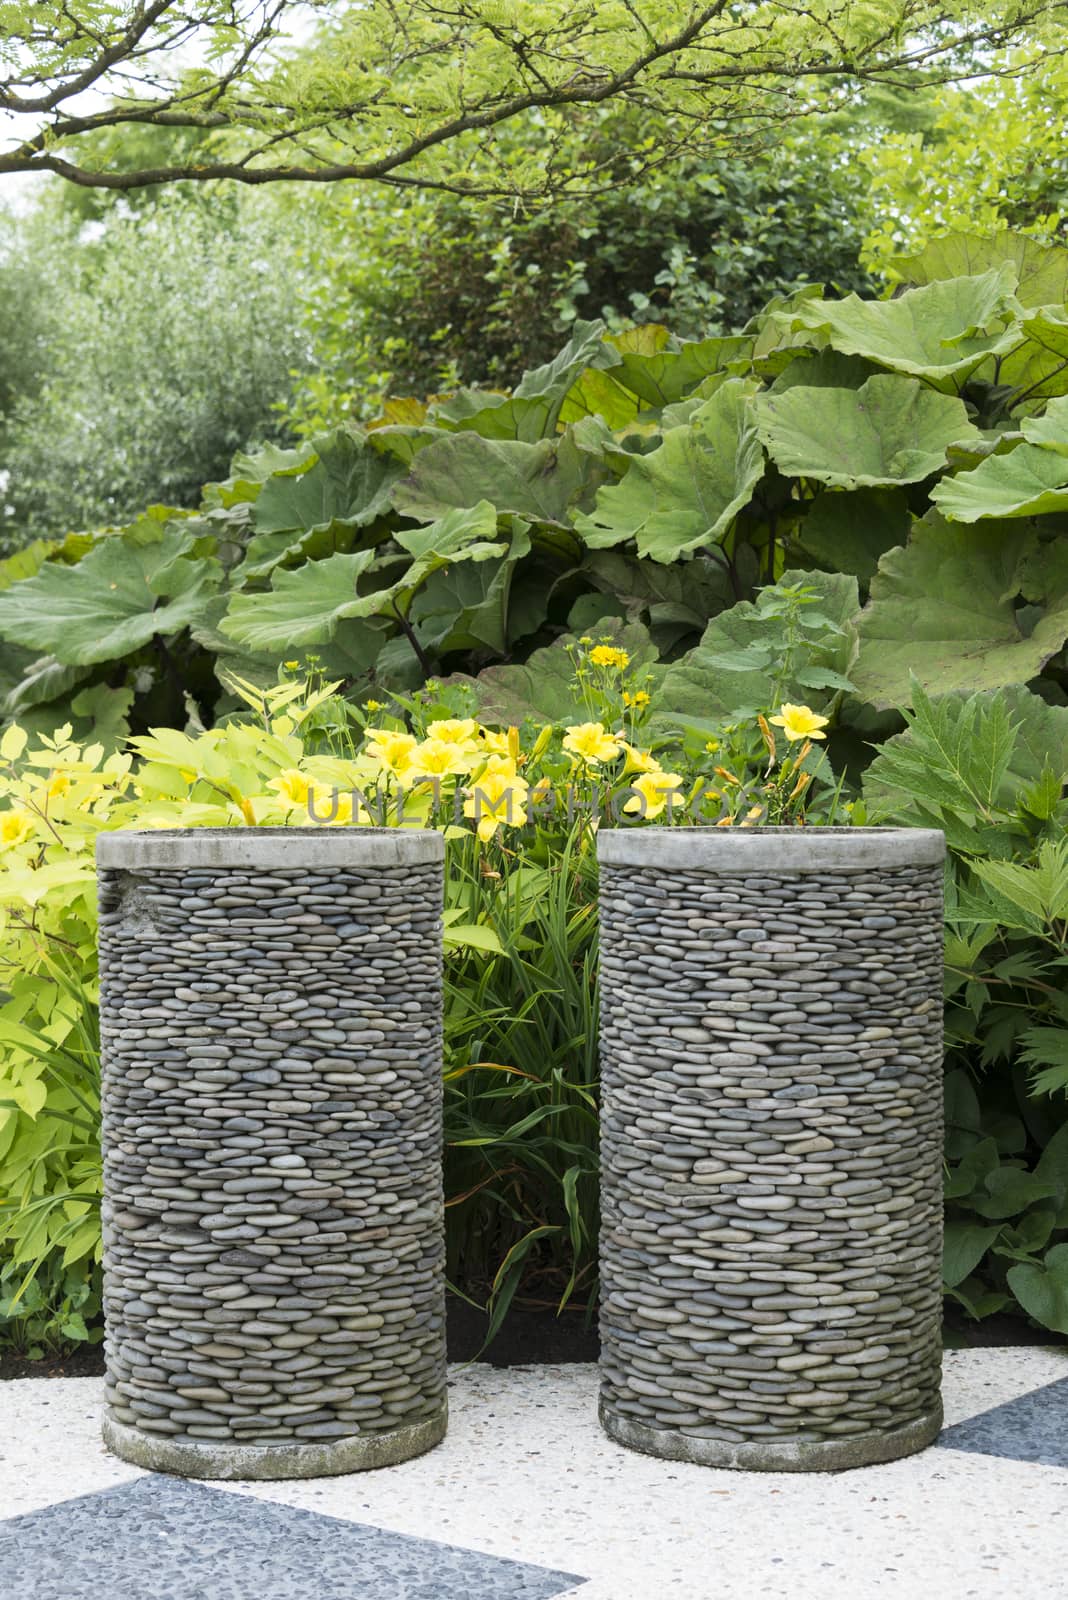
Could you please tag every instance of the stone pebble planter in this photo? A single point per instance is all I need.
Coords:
(271, 1085)
(771, 1043)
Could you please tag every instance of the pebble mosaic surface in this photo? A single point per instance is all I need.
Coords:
(272, 1134)
(771, 1158)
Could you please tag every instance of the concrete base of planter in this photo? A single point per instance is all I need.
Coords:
(239, 1462)
(817, 1455)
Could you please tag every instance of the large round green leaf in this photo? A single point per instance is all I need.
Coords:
(1041, 268)
(688, 491)
(1028, 481)
(941, 332)
(943, 608)
(539, 481)
(127, 589)
(890, 430)
(304, 606)
(348, 483)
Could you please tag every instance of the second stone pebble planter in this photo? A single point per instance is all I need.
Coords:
(771, 1033)
(271, 1085)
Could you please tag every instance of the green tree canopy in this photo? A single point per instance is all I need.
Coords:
(410, 91)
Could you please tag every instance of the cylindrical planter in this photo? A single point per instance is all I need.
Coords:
(271, 1085)
(771, 1046)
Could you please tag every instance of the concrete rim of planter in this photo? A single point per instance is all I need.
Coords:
(310, 847)
(777, 1455)
(734, 849)
(291, 1458)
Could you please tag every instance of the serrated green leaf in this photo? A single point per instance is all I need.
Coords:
(348, 484)
(538, 481)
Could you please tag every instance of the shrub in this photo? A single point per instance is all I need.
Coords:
(117, 404)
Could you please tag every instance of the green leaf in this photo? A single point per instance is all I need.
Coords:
(674, 601)
(1050, 430)
(732, 668)
(349, 483)
(943, 609)
(1028, 481)
(537, 481)
(964, 1246)
(533, 411)
(1041, 268)
(544, 689)
(823, 369)
(969, 752)
(1008, 1191)
(941, 332)
(1045, 1052)
(472, 936)
(305, 606)
(1036, 360)
(114, 601)
(1043, 1290)
(666, 376)
(890, 430)
(466, 606)
(852, 532)
(688, 491)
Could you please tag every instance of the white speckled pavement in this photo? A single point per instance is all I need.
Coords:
(527, 1499)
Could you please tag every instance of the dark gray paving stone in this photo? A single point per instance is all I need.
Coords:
(1033, 1427)
(160, 1538)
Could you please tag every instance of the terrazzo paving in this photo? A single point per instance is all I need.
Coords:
(527, 1498)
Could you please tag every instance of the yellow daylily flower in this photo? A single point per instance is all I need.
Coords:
(435, 758)
(293, 786)
(604, 655)
(496, 740)
(392, 750)
(496, 798)
(800, 722)
(453, 730)
(590, 742)
(640, 760)
(653, 790)
(15, 827)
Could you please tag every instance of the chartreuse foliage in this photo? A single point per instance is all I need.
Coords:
(851, 507)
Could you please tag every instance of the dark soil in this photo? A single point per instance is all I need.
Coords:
(532, 1336)
(84, 1361)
